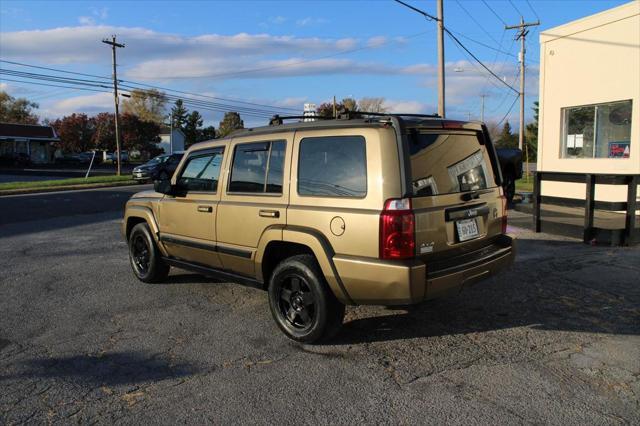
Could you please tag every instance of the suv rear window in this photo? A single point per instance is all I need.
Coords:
(333, 166)
(448, 162)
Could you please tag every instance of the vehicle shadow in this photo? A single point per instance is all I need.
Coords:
(111, 369)
(554, 285)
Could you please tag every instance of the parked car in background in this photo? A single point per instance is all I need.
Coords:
(69, 159)
(15, 159)
(389, 210)
(124, 157)
(159, 167)
(511, 168)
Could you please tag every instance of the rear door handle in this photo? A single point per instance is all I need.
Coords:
(269, 213)
(205, 209)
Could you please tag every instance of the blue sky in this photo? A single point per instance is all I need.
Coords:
(281, 53)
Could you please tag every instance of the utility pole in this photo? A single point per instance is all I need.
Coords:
(335, 108)
(441, 112)
(521, 35)
(482, 107)
(113, 45)
(440, 20)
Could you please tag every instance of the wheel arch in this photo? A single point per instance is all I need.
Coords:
(141, 214)
(293, 241)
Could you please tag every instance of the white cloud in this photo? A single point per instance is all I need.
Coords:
(305, 22)
(101, 13)
(89, 104)
(86, 20)
(408, 107)
(80, 44)
(377, 41)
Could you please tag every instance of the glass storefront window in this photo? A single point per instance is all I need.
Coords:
(597, 131)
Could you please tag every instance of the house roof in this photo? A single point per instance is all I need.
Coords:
(28, 131)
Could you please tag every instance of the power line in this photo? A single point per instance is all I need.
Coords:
(499, 50)
(476, 22)
(516, 8)
(455, 39)
(53, 85)
(509, 111)
(533, 10)
(494, 12)
(141, 84)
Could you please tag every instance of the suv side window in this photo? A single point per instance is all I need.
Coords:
(202, 171)
(258, 167)
(333, 166)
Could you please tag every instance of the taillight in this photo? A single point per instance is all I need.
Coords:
(397, 235)
(503, 200)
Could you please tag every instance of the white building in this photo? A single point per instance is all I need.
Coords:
(589, 118)
(171, 141)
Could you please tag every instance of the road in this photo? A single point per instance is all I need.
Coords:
(554, 340)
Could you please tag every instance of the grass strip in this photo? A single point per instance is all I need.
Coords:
(61, 183)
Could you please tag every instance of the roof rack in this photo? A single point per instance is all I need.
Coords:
(345, 114)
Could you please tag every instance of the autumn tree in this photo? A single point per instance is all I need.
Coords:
(350, 104)
(140, 135)
(17, 110)
(229, 123)
(148, 105)
(192, 128)
(104, 136)
(76, 132)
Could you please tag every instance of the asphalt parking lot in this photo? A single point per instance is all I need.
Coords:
(554, 340)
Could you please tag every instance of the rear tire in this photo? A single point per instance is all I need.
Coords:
(144, 256)
(301, 302)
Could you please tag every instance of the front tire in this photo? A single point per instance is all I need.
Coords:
(301, 302)
(145, 257)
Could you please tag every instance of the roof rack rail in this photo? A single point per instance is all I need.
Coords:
(277, 120)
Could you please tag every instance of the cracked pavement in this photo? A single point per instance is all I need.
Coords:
(554, 340)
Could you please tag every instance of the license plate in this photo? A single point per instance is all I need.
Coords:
(467, 229)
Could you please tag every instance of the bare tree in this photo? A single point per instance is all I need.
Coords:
(372, 105)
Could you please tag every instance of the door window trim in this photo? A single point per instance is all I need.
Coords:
(201, 153)
(264, 192)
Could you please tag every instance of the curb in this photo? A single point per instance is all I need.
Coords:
(66, 188)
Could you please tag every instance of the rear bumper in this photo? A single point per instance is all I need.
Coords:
(397, 283)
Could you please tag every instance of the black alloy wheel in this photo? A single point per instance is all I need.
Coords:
(302, 304)
(146, 259)
(297, 303)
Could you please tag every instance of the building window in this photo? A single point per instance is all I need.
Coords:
(597, 131)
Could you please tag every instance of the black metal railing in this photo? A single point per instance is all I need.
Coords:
(589, 233)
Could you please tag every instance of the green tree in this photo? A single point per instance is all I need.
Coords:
(17, 110)
(507, 139)
(179, 114)
(192, 128)
(229, 123)
(148, 105)
(207, 134)
(531, 134)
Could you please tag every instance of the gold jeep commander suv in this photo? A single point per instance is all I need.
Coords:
(362, 209)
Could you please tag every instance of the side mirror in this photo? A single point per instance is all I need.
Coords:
(163, 186)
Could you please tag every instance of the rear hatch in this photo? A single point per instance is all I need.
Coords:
(456, 194)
